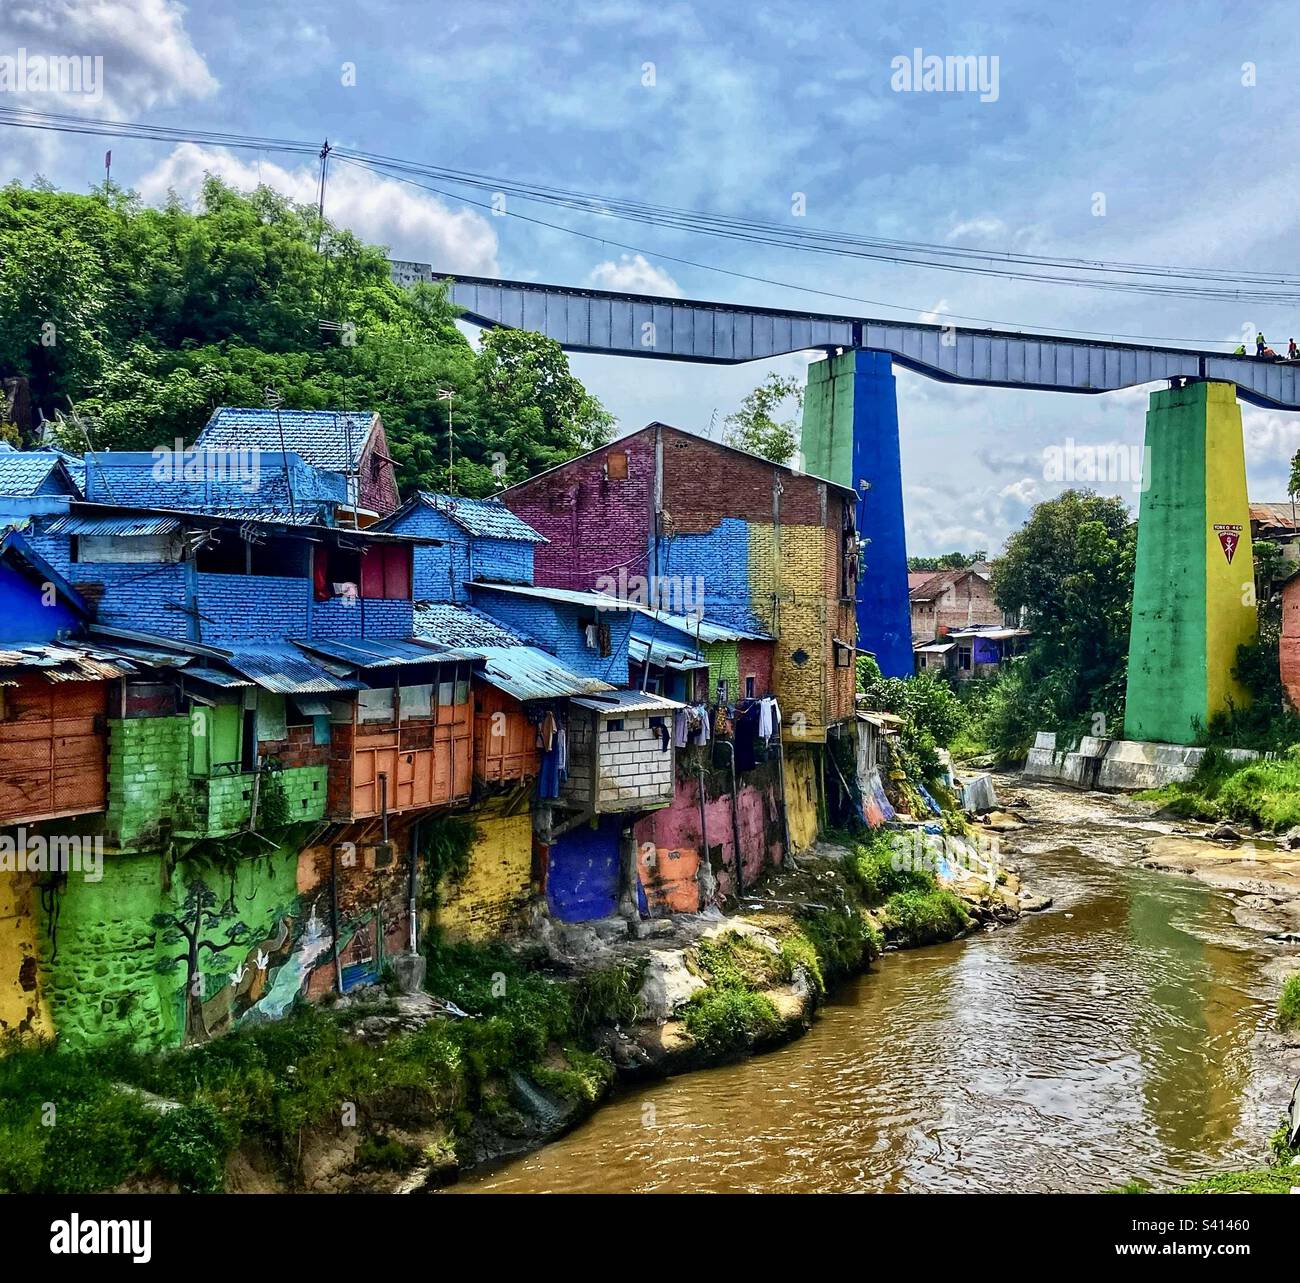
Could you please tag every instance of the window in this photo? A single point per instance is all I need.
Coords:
(616, 465)
(963, 658)
(248, 744)
(118, 548)
(386, 572)
(750, 682)
(843, 655)
(614, 724)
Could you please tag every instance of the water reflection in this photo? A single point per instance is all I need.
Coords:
(1107, 1039)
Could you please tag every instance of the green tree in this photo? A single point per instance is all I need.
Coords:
(1069, 569)
(147, 319)
(947, 561)
(755, 427)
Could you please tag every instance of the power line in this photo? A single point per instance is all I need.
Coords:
(1165, 279)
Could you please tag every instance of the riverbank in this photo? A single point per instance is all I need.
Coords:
(507, 1049)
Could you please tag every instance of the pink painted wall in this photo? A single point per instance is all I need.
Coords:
(595, 524)
(672, 884)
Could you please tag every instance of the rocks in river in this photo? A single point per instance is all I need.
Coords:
(1290, 840)
(1224, 832)
(1030, 903)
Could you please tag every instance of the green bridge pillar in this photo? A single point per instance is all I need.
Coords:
(1193, 590)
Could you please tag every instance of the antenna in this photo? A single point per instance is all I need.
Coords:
(446, 394)
(274, 400)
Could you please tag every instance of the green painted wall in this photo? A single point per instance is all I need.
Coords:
(724, 665)
(1190, 485)
(148, 774)
(826, 441)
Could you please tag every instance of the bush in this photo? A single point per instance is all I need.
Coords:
(1288, 1003)
(924, 917)
(878, 869)
(190, 1144)
(726, 1019)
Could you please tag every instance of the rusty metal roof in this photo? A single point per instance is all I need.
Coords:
(83, 662)
(528, 673)
(282, 668)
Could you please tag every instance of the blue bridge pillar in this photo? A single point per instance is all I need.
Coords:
(850, 435)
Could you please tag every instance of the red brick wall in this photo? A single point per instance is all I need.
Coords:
(377, 487)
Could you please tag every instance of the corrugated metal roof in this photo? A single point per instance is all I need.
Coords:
(78, 661)
(487, 518)
(112, 526)
(708, 630)
(323, 438)
(600, 601)
(463, 626)
(215, 677)
(630, 701)
(664, 654)
(528, 673)
(366, 652)
(282, 668)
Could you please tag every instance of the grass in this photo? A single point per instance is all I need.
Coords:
(67, 1126)
(731, 1013)
(878, 870)
(924, 917)
(1263, 794)
(1288, 1003)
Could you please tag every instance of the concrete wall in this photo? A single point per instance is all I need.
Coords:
(495, 893)
(22, 1003)
(801, 795)
(850, 435)
(1193, 604)
(1121, 765)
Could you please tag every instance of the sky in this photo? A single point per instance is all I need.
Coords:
(1180, 124)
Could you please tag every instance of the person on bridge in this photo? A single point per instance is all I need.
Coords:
(1292, 352)
(1259, 343)
(1239, 350)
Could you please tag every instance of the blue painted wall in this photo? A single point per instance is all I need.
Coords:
(554, 624)
(440, 574)
(719, 560)
(582, 872)
(23, 616)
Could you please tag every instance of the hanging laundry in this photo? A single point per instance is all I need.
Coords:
(664, 738)
(747, 738)
(702, 731)
(681, 726)
(562, 751)
(603, 639)
(590, 634)
(546, 732)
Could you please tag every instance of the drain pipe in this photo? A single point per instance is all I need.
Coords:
(780, 775)
(735, 821)
(334, 916)
(704, 829)
(412, 889)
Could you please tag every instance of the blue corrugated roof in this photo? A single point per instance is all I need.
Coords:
(323, 438)
(463, 626)
(365, 652)
(569, 596)
(664, 654)
(705, 629)
(112, 526)
(281, 667)
(528, 673)
(487, 518)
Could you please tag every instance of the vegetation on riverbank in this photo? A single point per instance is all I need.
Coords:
(1263, 794)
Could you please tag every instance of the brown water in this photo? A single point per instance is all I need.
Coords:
(1106, 1039)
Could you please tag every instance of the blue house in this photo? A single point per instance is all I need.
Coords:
(479, 539)
(33, 482)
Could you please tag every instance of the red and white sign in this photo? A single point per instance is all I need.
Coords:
(1229, 538)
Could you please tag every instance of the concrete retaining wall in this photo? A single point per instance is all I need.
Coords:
(1119, 765)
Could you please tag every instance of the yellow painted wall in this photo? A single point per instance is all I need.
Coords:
(496, 890)
(795, 570)
(22, 1007)
(801, 796)
(1230, 616)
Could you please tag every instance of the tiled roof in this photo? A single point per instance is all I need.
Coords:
(487, 518)
(323, 438)
(462, 626)
(24, 472)
(936, 582)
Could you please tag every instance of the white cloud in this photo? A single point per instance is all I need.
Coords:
(148, 57)
(634, 274)
(379, 210)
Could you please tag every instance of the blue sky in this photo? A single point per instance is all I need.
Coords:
(750, 104)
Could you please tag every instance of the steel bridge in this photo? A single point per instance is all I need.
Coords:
(643, 325)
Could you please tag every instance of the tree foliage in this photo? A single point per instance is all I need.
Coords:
(147, 319)
(755, 426)
(1069, 569)
(947, 561)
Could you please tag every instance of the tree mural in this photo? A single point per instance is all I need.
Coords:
(198, 926)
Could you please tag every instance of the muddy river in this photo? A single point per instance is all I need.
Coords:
(1109, 1038)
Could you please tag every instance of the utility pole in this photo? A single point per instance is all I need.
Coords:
(275, 401)
(320, 204)
(446, 394)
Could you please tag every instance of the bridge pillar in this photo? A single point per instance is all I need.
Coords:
(1193, 590)
(850, 435)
